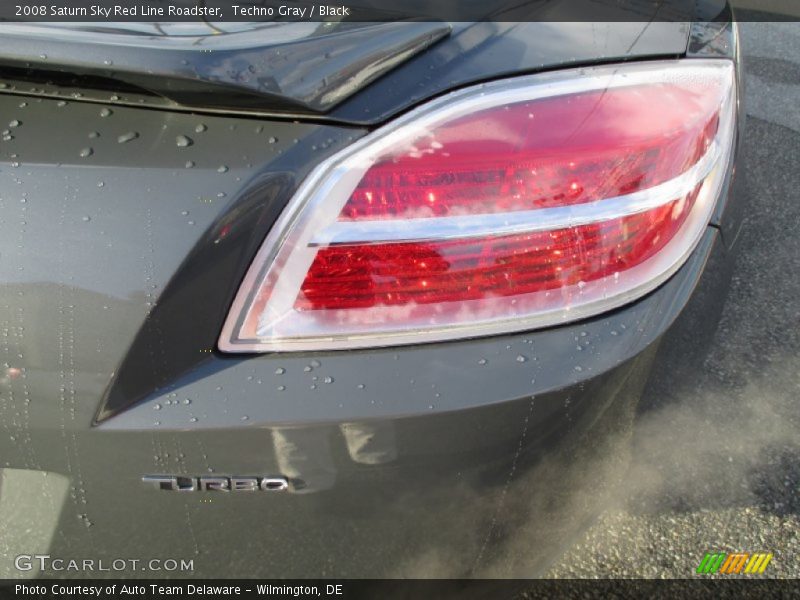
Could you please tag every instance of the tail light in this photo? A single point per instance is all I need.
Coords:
(509, 206)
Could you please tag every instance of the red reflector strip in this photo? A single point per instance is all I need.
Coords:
(455, 270)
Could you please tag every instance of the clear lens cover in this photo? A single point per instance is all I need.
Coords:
(509, 206)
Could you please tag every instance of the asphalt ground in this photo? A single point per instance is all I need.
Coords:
(716, 465)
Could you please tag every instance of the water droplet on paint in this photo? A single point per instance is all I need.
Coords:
(127, 137)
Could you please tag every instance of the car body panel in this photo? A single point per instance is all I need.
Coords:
(418, 444)
(124, 234)
(300, 67)
(327, 88)
(490, 50)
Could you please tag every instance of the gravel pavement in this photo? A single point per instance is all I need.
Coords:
(716, 467)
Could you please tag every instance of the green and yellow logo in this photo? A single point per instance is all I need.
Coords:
(734, 564)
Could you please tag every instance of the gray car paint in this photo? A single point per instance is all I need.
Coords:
(305, 67)
(473, 52)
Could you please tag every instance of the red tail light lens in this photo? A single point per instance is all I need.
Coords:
(361, 276)
(510, 206)
(549, 152)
